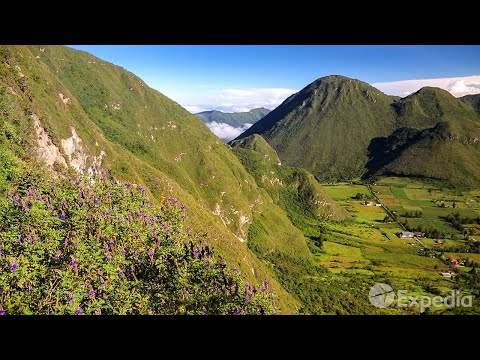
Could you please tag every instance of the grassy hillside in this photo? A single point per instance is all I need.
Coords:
(330, 126)
(473, 100)
(327, 126)
(69, 107)
(295, 190)
(456, 147)
(236, 119)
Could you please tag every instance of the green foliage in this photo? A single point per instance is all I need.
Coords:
(95, 246)
(295, 190)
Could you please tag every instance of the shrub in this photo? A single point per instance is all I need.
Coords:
(90, 245)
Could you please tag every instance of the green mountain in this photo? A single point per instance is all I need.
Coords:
(295, 190)
(328, 127)
(235, 119)
(456, 146)
(68, 109)
(473, 100)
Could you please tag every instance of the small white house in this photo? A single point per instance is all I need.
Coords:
(407, 234)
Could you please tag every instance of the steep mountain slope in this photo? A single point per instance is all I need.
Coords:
(473, 100)
(78, 110)
(236, 119)
(328, 126)
(455, 145)
(295, 190)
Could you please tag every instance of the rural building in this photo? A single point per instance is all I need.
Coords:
(378, 204)
(406, 234)
(447, 274)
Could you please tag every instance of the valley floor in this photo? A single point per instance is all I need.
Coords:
(371, 244)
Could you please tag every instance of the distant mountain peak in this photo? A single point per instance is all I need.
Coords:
(235, 119)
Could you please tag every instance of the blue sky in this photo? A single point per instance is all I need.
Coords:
(235, 78)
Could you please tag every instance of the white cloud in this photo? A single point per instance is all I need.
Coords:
(225, 131)
(457, 86)
(241, 99)
(194, 109)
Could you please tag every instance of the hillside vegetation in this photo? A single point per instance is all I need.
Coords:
(90, 245)
(66, 108)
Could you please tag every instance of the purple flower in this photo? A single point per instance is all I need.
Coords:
(2, 312)
(55, 215)
(207, 265)
(111, 242)
(39, 197)
(151, 253)
(91, 292)
(64, 202)
(96, 201)
(204, 311)
(124, 251)
(19, 240)
(236, 312)
(73, 263)
(25, 207)
(1, 290)
(247, 298)
(70, 298)
(109, 257)
(78, 182)
(247, 286)
(30, 192)
(121, 273)
(1, 251)
(78, 311)
(56, 256)
(13, 267)
(49, 207)
(183, 207)
(63, 216)
(143, 190)
(16, 202)
(137, 254)
(189, 229)
(10, 195)
(107, 213)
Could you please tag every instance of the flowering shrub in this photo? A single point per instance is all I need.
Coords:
(91, 245)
